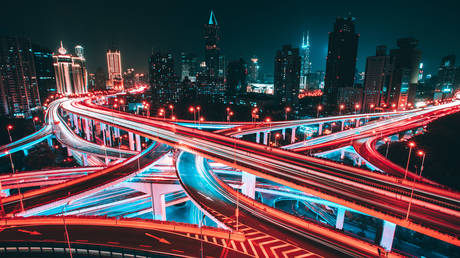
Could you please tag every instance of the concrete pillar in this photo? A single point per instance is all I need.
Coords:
(343, 125)
(87, 132)
(258, 137)
(357, 122)
(75, 121)
(69, 152)
(283, 132)
(293, 134)
(84, 159)
(265, 138)
(131, 141)
(342, 154)
(320, 129)
(340, 218)
(26, 152)
(109, 135)
(138, 143)
(71, 120)
(50, 142)
(249, 184)
(158, 204)
(388, 235)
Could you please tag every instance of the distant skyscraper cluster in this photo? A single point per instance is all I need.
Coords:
(19, 93)
(70, 71)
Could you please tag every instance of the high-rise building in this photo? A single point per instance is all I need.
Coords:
(70, 72)
(213, 79)
(287, 75)
(114, 69)
(253, 73)
(237, 72)
(445, 85)
(189, 66)
(401, 93)
(305, 70)
(19, 94)
(44, 69)
(377, 79)
(341, 62)
(162, 77)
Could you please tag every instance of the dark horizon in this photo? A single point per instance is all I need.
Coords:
(247, 28)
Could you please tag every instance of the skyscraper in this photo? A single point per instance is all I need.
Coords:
(236, 78)
(100, 79)
(401, 93)
(162, 77)
(70, 71)
(287, 76)
(114, 69)
(19, 93)
(445, 85)
(305, 70)
(377, 79)
(189, 66)
(341, 61)
(253, 73)
(43, 59)
(214, 70)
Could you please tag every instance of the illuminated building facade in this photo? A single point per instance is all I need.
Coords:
(19, 94)
(445, 85)
(341, 62)
(401, 93)
(162, 77)
(253, 73)
(377, 79)
(305, 70)
(287, 76)
(189, 66)
(114, 70)
(212, 83)
(43, 59)
(70, 72)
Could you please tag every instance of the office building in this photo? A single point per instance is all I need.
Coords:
(287, 76)
(237, 73)
(19, 94)
(70, 72)
(162, 77)
(305, 70)
(253, 71)
(445, 85)
(377, 79)
(341, 62)
(189, 66)
(43, 59)
(115, 72)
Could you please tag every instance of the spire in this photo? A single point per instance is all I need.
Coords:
(62, 50)
(212, 18)
(308, 38)
(306, 42)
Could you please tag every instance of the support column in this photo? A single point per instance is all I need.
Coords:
(283, 132)
(265, 138)
(388, 235)
(342, 154)
(75, 121)
(249, 184)
(69, 152)
(71, 120)
(84, 159)
(131, 141)
(87, 133)
(50, 142)
(138, 143)
(109, 135)
(104, 138)
(158, 204)
(320, 129)
(258, 137)
(357, 122)
(343, 125)
(293, 134)
(340, 218)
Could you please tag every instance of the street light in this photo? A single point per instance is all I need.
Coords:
(35, 119)
(198, 108)
(9, 128)
(277, 136)
(254, 115)
(341, 107)
(227, 110)
(318, 109)
(372, 107)
(387, 141)
(356, 108)
(171, 107)
(65, 227)
(192, 110)
(421, 154)
(268, 120)
(411, 145)
(286, 111)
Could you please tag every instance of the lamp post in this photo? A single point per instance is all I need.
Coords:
(201, 233)
(228, 114)
(65, 228)
(372, 107)
(422, 154)
(411, 145)
(9, 128)
(277, 136)
(254, 114)
(198, 109)
(34, 120)
(286, 111)
(387, 141)
(318, 109)
(357, 108)
(268, 120)
(341, 107)
(171, 107)
(192, 110)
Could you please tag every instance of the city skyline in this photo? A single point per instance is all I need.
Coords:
(246, 30)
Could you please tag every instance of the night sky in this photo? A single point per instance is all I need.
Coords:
(248, 27)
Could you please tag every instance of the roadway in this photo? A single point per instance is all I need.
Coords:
(434, 212)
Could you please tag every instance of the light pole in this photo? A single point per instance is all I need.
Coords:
(192, 110)
(171, 107)
(201, 238)
(65, 228)
(268, 120)
(277, 136)
(228, 114)
(387, 141)
(105, 151)
(357, 108)
(411, 145)
(9, 128)
(254, 114)
(286, 111)
(422, 154)
(318, 109)
(35, 119)
(341, 107)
